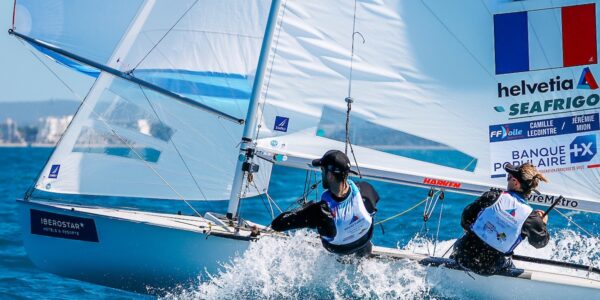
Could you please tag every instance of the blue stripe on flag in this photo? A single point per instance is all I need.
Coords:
(511, 43)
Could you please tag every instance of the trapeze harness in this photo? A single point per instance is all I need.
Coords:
(351, 218)
(499, 225)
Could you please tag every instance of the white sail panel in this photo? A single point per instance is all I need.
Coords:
(138, 143)
(127, 140)
(204, 50)
(91, 29)
(427, 81)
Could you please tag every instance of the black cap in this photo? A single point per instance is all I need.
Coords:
(334, 161)
(516, 173)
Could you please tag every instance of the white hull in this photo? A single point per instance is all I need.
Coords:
(131, 254)
(138, 250)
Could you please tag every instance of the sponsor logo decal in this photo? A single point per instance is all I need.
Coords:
(550, 106)
(548, 200)
(441, 182)
(281, 123)
(503, 132)
(54, 171)
(564, 103)
(511, 212)
(354, 219)
(544, 128)
(525, 88)
(63, 226)
(551, 154)
(583, 148)
(587, 80)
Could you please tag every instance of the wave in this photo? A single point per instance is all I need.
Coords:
(275, 268)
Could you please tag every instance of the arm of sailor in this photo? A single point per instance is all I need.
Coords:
(472, 210)
(304, 217)
(369, 195)
(535, 230)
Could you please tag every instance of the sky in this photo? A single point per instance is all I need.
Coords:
(24, 78)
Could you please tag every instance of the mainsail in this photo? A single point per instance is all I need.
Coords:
(439, 99)
(448, 95)
(148, 126)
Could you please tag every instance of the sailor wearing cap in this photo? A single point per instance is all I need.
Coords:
(343, 217)
(498, 221)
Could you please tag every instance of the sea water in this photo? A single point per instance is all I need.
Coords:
(276, 268)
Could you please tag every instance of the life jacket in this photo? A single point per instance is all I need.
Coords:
(499, 225)
(351, 218)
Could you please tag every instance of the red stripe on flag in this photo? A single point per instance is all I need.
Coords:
(593, 166)
(579, 35)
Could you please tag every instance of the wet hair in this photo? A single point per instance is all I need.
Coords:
(531, 177)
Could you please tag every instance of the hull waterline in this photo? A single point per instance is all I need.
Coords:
(150, 252)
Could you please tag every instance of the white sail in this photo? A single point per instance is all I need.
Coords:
(437, 75)
(132, 141)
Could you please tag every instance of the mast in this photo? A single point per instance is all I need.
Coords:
(244, 163)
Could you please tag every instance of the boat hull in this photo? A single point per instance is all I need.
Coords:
(130, 255)
(151, 253)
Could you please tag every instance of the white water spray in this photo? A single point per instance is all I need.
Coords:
(298, 267)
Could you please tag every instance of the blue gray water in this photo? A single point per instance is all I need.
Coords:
(20, 279)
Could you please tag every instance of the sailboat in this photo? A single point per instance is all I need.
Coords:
(164, 120)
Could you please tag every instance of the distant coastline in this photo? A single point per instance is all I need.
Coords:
(26, 145)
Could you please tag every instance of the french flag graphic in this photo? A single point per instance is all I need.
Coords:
(545, 39)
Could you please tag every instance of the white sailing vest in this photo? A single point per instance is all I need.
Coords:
(351, 218)
(499, 225)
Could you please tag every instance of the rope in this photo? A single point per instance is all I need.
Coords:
(165, 35)
(174, 146)
(574, 223)
(437, 234)
(349, 99)
(114, 132)
(402, 213)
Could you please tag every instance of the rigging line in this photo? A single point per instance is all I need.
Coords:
(52, 71)
(570, 219)
(240, 35)
(31, 188)
(172, 65)
(274, 202)
(457, 39)
(174, 146)
(160, 40)
(112, 129)
(127, 76)
(437, 234)
(354, 33)
(14, 14)
(539, 97)
(145, 162)
(230, 88)
(349, 99)
(402, 213)
(274, 54)
(270, 200)
(264, 204)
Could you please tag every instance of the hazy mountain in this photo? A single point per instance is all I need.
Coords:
(27, 113)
